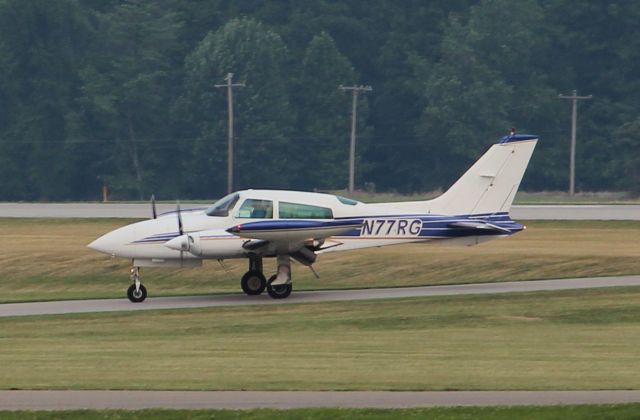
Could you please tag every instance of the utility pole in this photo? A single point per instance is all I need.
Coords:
(355, 90)
(574, 117)
(230, 85)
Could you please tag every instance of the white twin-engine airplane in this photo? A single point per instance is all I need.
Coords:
(288, 225)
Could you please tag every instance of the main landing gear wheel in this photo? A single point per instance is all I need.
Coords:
(253, 282)
(137, 296)
(280, 291)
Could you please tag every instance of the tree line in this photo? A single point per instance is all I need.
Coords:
(121, 92)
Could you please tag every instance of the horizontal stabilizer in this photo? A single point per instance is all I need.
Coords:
(478, 225)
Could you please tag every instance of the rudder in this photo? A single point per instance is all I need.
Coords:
(490, 185)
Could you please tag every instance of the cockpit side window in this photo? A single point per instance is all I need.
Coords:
(256, 209)
(303, 211)
(221, 207)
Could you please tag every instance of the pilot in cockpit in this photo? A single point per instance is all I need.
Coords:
(259, 210)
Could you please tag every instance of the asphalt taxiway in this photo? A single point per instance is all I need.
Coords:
(182, 302)
(138, 400)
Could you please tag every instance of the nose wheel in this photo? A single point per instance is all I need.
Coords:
(136, 292)
(137, 296)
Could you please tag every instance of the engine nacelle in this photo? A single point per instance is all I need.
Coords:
(209, 244)
(190, 243)
(304, 256)
(195, 247)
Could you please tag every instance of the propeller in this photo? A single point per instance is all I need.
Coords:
(180, 229)
(181, 232)
(154, 213)
(182, 242)
(185, 241)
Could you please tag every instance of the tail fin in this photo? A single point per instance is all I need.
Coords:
(490, 185)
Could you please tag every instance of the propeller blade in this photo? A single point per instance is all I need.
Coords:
(154, 213)
(180, 229)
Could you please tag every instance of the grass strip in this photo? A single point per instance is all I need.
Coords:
(46, 259)
(586, 339)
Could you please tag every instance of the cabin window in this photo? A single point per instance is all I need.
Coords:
(304, 211)
(256, 209)
(221, 207)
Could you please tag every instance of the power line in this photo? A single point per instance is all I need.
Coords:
(230, 85)
(574, 117)
(352, 148)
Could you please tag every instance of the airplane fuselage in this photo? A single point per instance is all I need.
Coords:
(373, 225)
(288, 225)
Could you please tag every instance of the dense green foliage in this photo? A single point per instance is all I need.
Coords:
(121, 92)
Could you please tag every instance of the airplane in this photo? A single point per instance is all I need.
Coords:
(293, 225)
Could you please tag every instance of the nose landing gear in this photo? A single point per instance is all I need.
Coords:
(136, 292)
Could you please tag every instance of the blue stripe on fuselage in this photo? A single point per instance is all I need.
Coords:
(435, 226)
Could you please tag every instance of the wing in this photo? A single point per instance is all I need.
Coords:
(294, 230)
(301, 238)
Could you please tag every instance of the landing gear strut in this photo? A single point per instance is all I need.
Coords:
(253, 282)
(136, 292)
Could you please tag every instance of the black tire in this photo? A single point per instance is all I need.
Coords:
(281, 291)
(253, 283)
(136, 297)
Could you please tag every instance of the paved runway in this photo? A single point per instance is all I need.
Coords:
(134, 400)
(576, 212)
(137, 400)
(117, 210)
(87, 210)
(116, 305)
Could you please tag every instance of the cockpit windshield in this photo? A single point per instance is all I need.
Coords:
(221, 207)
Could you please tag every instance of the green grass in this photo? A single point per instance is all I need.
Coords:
(585, 412)
(44, 259)
(586, 339)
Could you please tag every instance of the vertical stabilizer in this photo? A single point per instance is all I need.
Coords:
(490, 185)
